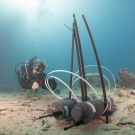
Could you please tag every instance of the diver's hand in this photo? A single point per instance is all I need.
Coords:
(35, 85)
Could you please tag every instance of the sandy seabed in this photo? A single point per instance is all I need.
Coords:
(19, 113)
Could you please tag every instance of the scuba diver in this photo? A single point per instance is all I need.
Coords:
(32, 75)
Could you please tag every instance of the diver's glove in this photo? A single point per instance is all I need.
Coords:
(52, 83)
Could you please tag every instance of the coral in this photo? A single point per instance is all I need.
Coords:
(123, 93)
(127, 79)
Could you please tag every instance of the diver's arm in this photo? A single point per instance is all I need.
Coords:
(52, 84)
(51, 81)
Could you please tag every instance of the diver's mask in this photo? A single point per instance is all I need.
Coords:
(37, 69)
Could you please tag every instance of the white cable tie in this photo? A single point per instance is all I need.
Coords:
(110, 103)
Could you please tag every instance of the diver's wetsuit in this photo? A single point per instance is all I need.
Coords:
(27, 79)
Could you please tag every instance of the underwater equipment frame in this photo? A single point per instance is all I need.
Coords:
(88, 109)
(75, 36)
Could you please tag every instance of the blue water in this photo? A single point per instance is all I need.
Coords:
(38, 30)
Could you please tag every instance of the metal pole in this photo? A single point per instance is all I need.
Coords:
(99, 66)
(79, 63)
(81, 58)
(71, 64)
